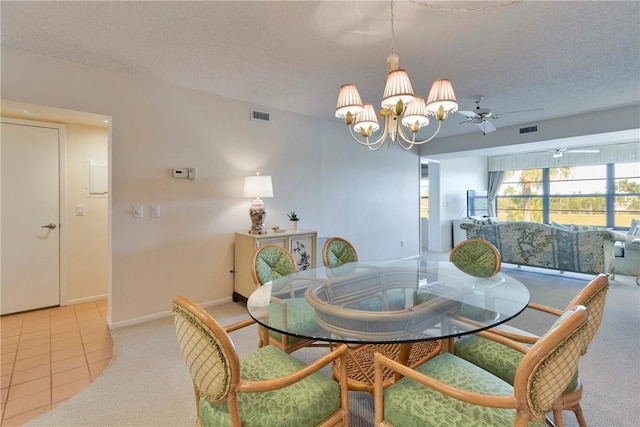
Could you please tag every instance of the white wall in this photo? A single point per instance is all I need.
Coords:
(87, 234)
(337, 187)
(449, 181)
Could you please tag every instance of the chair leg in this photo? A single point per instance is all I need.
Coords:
(557, 418)
(577, 410)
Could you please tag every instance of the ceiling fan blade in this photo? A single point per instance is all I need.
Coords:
(470, 114)
(535, 110)
(585, 150)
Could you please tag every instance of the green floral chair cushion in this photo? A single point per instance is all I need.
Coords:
(339, 252)
(272, 263)
(500, 360)
(305, 403)
(410, 404)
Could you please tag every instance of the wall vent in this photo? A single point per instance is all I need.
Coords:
(529, 129)
(262, 116)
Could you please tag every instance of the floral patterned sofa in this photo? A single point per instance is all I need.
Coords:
(541, 245)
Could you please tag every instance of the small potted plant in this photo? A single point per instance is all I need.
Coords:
(293, 221)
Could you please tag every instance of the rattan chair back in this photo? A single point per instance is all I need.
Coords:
(207, 350)
(593, 296)
(547, 369)
(271, 261)
(338, 251)
(476, 257)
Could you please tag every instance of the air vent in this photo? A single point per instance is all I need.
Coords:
(529, 129)
(262, 116)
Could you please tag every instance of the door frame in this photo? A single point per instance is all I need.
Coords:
(62, 199)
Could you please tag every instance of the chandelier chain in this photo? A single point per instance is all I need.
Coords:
(393, 30)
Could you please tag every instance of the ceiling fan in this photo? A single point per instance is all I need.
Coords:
(558, 152)
(481, 116)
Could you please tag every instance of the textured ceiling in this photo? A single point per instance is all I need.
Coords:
(564, 57)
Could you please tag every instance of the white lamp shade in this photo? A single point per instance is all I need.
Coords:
(348, 101)
(367, 119)
(416, 112)
(397, 88)
(441, 94)
(258, 186)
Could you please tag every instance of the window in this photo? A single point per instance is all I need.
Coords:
(424, 190)
(600, 195)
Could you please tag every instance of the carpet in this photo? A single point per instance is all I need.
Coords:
(147, 383)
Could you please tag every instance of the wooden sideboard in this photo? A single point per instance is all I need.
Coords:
(302, 245)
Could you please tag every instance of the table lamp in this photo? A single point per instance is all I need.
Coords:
(257, 186)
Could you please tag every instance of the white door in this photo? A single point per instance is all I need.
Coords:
(30, 212)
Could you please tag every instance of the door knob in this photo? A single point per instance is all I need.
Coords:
(49, 226)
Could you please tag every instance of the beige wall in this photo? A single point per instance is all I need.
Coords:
(87, 235)
(336, 186)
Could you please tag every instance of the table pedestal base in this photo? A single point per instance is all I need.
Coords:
(360, 361)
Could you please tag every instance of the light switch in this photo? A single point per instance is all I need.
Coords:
(155, 211)
(79, 210)
(138, 211)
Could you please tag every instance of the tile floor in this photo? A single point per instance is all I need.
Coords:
(49, 355)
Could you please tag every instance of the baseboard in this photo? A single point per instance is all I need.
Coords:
(160, 315)
(86, 299)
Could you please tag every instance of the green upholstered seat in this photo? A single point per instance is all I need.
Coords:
(408, 403)
(293, 406)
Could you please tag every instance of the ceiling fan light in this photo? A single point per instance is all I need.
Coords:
(415, 113)
(367, 119)
(441, 95)
(397, 88)
(348, 101)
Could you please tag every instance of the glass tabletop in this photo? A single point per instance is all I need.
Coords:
(396, 301)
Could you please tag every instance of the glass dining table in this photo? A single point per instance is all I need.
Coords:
(409, 309)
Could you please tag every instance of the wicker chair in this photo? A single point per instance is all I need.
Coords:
(503, 361)
(267, 387)
(476, 257)
(448, 390)
(272, 262)
(337, 251)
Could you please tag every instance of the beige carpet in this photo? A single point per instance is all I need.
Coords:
(147, 383)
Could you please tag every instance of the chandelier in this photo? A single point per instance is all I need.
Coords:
(399, 104)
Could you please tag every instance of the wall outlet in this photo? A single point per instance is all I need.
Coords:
(230, 275)
(138, 211)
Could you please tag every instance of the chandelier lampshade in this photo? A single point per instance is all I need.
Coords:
(367, 122)
(441, 95)
(397, 88)
(415, 116)
(348, 101)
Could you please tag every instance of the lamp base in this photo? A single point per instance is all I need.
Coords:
(258, 215)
